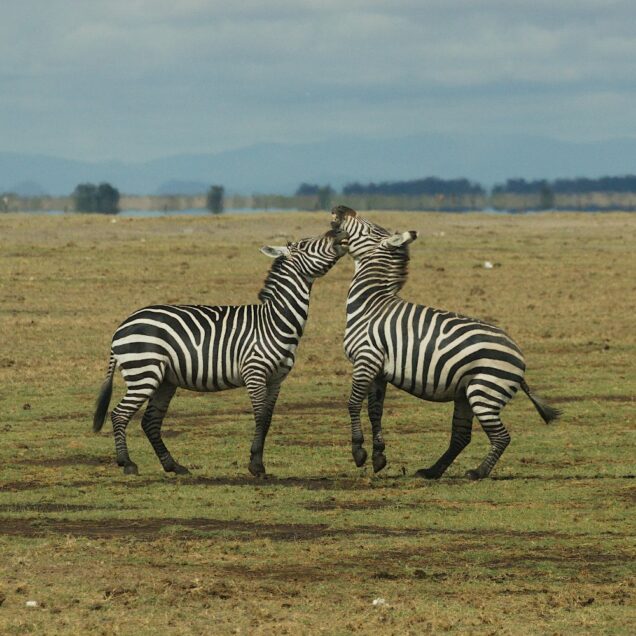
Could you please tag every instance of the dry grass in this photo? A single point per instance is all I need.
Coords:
(544, 546)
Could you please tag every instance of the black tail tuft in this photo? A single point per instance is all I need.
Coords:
(103, 399)
(547, 412)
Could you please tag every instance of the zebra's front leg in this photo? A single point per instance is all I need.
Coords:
(375, 406)
(151, 425)
(460, 438)
(364, 371)
(263, 397)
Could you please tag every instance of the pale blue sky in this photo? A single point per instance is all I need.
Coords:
(139, 79)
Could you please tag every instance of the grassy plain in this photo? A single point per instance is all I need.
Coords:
(545, 546)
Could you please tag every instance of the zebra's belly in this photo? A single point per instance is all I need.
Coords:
(424, 383)
(423, 390)
(213, 382)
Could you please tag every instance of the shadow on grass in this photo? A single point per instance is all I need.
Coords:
(337, 483)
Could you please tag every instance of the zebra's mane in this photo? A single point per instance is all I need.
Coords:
(399, 267)
(269, 285)
(389, 265)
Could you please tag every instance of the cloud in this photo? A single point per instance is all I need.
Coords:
(153, 76)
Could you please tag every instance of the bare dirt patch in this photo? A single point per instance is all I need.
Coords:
(65, 417)
(559, 477)
(314, 443)
(69, 460)
(309, 407)
(308, 483)
(186, 528)
(15, 486)
(347, 505)
(629, 495)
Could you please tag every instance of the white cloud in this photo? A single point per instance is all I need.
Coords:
(155, 76)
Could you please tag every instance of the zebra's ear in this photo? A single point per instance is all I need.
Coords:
(274, 251)
(400, 239)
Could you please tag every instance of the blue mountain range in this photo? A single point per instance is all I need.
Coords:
(279, 168)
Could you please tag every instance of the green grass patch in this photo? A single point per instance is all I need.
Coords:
(544, 546)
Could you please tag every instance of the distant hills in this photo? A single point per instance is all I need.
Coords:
(280, 168)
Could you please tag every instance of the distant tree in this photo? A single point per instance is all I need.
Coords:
(104, 198)
(214, 199)
(107, 199)
(325, 194)
(307, 190)
(84, 197)
(546, 194)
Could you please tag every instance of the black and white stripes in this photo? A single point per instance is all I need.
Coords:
(212, 348)
(432, 354)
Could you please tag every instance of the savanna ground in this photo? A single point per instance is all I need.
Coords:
(544, 546)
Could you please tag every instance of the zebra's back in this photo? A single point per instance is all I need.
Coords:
(432, 353)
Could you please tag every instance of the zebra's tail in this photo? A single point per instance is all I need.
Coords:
(547, 412)
(103, 399)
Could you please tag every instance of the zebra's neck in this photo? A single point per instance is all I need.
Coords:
(377, 281)
(285, 299)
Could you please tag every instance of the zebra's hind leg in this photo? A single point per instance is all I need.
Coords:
(151, 425)
(121, 415)
(460, 438)
(488, 414)
(375, 404)
(140, 387)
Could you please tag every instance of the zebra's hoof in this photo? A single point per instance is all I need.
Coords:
(258, 470)
(428, 473)
(131, 469)
(473, 475)
(180, 470)
(379, 462)
(359, 456)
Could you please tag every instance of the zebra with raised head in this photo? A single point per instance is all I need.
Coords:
(432, 354)
(213, 348)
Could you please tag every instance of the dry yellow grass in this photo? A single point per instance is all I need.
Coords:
(544, 546)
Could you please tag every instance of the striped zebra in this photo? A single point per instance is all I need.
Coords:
(432, 354)
(212, 348)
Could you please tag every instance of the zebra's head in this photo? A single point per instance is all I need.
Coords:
(364, 235)
(311, 257)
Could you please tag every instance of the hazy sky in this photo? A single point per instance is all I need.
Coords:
(139, 79)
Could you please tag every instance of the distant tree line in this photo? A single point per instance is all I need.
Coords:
(322, 194)
(431, 193)
(433, 186)
(429, 186)
(455, 195)
(568, 186)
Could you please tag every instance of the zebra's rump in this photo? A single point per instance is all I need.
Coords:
(199, 347)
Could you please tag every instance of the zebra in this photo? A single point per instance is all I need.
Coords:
(212, 348)
(436, 355)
